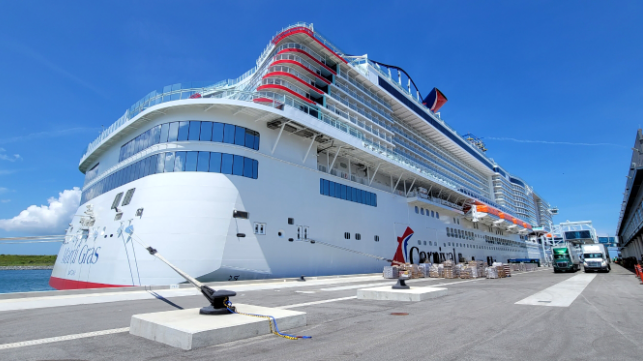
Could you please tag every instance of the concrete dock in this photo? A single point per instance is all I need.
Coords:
(532, 316)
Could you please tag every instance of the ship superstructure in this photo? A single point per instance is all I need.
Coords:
(233, 180)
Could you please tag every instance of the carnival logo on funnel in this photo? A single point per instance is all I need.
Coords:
(401, 254)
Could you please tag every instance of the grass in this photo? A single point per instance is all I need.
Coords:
(17, 260)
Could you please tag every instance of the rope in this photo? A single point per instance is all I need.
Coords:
(271, 322)
(354, 251)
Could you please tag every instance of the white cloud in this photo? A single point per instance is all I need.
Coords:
(3, 190)
(5, 200)
(11, 158)
(51, 219)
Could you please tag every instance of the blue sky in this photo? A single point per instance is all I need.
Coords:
(553, 87)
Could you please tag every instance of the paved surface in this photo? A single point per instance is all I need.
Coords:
(477, 320)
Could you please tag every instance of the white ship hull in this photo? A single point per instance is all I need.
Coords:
(188, 218)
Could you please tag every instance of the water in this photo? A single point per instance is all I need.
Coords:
(24, 280)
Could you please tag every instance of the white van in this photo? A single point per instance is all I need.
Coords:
(596, 257)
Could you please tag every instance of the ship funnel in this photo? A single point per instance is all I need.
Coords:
(435, 100)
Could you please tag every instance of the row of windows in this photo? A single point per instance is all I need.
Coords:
(191, 130)
(459, 233)
(429, 213)
(341, 191)
(358, 236)
(463, 245)
(175, 162)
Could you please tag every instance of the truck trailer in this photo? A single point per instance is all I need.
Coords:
(596, 257)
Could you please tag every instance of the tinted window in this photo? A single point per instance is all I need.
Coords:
(247, 167)
(256, 145)
(165, 129)
(174, 132)
(190, 164)
(149, 164)
(237, 168)
(228, 133)
(215, 162)
(184, 128)
(240, 136)
(341, 191)
(203, 161)
(146, 139)
(160, 163)
(206, 131)
(255, 169)
(250, 139)
(195, 130)
(141, 168)
(155, 135)
(226, 163)
(217, 132)
(137, 144)
(169, 162)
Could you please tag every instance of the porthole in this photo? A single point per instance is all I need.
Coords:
(419, 242)
(432, 214)
(280, 233)
(422, 211)
(425, 243)
(358, 236)
(291, 221)
(417, 210)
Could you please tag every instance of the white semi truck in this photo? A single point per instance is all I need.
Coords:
(596, 257)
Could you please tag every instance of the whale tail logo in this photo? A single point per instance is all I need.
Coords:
(402, 243)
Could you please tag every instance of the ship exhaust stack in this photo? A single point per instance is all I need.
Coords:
(435, 100)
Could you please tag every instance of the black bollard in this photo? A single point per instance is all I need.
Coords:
(400, 285)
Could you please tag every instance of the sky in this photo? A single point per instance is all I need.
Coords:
(554, 88)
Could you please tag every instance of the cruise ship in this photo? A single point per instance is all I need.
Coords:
(314, 162)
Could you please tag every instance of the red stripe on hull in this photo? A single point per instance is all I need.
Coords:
(63, 284)
(302, 30)
(298, 79)
(310, 57)
(300, 65)
(280, 87)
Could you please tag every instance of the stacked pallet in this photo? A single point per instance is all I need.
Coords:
(411, 271)
(425, 268)
(466, 273)
(448, 271)
(433, 271)
(530, 267)
(507, 270)
(491, 272)
(391, 272)
(480, 267)
(500, 271)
